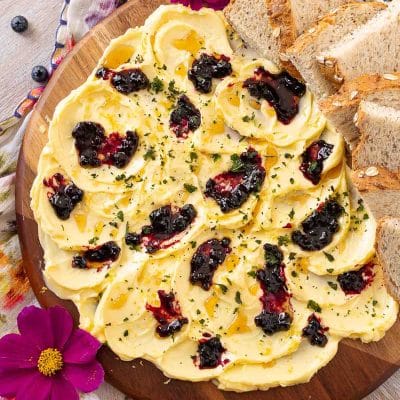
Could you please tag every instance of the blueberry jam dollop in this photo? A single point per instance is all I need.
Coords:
(354, 282)
(64, 195)
(165, 223)
(210, 352)
(185, 118)
(205, 261)
(315, 332)
(282, 91)
(206, 68)
(168, 314)
(275, 299)
(319, 227)
(313, 160)
(104, 254)
(231, 189)
(126, 81)
(95, 148)
(272, 322)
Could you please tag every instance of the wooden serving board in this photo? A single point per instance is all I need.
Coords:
(356, 370)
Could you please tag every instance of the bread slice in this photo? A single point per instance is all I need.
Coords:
(324, 34)
(250, 20)
(380, 190)
(371, 48)
(379, 143)
(388, 251)
(341, 108)
(266, 26)
(281, 20)
(307, 12)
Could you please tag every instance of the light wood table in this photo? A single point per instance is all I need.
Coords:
(19, 53)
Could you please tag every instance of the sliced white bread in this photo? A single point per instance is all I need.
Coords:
(380, 190)
(341, 108)
(388, 251)
(379, 143)
(266, 26)
(250, 20)
(306, 12)
(324, 34)
(371, 48)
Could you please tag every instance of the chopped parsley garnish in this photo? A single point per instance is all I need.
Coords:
(329, 256)
(189, 188)
(313, 305)
(238, 298)
(150, 154)
(333, 285)
(237, 163)
(283, 240)
(157, 85)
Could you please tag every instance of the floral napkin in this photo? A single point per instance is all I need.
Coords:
(76, 18)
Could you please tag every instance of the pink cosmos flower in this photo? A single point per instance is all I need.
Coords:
(49, 359)
(197, 4)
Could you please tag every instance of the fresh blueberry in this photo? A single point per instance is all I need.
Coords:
(19, 24)
(40, 74)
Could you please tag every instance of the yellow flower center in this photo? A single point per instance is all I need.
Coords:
(50, 362)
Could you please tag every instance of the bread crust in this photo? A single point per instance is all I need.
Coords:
(382, 179)
(282, 22)
(352, 92)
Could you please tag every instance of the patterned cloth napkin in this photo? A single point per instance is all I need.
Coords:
(77, 17)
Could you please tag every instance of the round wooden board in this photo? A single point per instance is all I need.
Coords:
(356, 370)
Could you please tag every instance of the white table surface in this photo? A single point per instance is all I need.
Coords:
(19, 53)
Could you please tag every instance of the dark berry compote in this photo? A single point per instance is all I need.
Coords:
(282, 91)
(313, 160)
(354, 282)
(102, 254)
(206, 68)
(275, 299)
(165, 223)
(315, 332)
(319, 227)
(63, 196)
(168, 314)
(210, 352)
(206, 259)
(232, 188)
(95, 148)
(125, 81)
(185, 118)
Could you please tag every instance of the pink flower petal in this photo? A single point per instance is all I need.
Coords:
(37, 387)
(196, 4)
(85, 377)
(34, 324)
(62, 324)
(62, 390)
(184, 2)
(11, 380)
(16, 352)
(217, 4)
(81, 348)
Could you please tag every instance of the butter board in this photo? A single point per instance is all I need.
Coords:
(356, 370)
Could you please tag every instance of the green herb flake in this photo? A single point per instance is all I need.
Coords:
(238, 298)
(189, 188)
(329, 256)
(333, 285)
(157, 85)
(120, 216)
(223, 287)
(313, 305)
